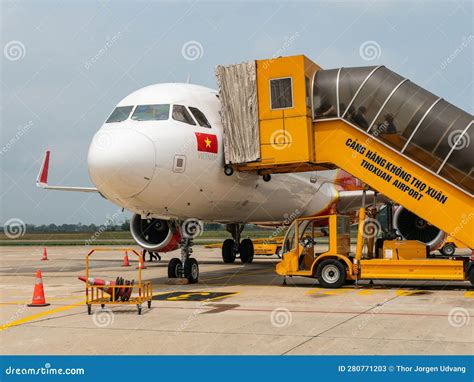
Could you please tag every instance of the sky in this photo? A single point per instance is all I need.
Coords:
(66, 64)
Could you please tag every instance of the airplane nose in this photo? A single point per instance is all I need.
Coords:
(121, 162)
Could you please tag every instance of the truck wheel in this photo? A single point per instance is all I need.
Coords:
(331, 274)
(246, 251)
(174, 268)
(448, 249)
(228, 251)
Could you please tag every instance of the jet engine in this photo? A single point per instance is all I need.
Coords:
(155, 234)
(412, 227)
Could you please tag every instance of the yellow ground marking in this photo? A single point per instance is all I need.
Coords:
(402, 292)
(328, 292)
(469, 294)
(24, 320)
(48, 299)
(366, 292)
(184, 296)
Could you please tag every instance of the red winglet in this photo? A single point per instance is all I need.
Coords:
(43, 178)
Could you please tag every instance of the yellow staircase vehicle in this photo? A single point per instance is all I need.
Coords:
(288, 115)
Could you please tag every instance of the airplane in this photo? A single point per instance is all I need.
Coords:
(160, 155)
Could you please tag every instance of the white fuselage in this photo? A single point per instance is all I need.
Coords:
(154, 168)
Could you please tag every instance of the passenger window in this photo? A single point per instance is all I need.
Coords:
(200, 117)
(151, 113)
(182, 115)
(281, 93)
(120, 114)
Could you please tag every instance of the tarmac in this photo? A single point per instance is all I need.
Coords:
(234, 309)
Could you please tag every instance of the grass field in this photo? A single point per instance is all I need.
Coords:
(108, 238)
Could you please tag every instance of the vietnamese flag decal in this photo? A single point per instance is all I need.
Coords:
(206, 142)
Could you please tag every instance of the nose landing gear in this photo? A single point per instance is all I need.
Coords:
(186, 267)
(231, 247)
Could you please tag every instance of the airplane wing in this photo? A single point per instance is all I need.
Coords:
(42, 179)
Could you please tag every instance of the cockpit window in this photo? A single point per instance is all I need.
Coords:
(200, 117)
(120, 114)
(151, 113)
(181, 114)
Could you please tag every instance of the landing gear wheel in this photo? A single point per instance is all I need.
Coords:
(448, 249)
(331, 274)
(246, 251)
(228, 170)
(191, 270)
(228, 251)
(174, 268)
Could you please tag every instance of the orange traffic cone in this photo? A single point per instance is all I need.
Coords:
(100, 282)
(38, 294)
(126, 262)
(141, 261)
(45, 255)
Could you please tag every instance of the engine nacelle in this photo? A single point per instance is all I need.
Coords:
(155, 234)
(412, 227)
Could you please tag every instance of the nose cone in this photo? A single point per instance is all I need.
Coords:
(121, 162)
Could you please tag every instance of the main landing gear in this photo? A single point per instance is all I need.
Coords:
(186, 267)
(231, 247)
